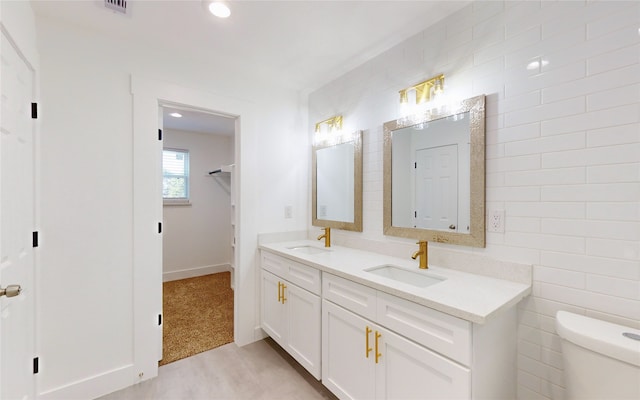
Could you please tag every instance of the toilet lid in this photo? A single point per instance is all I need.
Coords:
(599, 336)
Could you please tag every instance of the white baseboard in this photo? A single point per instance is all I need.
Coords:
(259, 334)
(193, 272)
(93, 386)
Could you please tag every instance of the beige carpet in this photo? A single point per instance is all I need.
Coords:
(198, 315)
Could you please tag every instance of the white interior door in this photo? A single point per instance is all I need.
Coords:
(437, 188)
(17, 314)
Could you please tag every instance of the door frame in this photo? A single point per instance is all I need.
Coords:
(147, 214)
(173, 105)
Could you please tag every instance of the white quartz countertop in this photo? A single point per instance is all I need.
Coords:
(472, 297)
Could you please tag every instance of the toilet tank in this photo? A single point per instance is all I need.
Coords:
(601, 359)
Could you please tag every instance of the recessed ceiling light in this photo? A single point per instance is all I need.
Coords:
(176, 115)
(220, 10)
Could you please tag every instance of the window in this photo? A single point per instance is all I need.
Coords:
(175, 175)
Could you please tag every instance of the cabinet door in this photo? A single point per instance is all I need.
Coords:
(303, 339)
(274, 312)
(348, 370)
(406, 370)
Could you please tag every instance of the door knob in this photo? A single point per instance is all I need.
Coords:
(10, 291)
(452, 226)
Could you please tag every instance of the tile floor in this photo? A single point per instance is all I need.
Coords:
(261, 370)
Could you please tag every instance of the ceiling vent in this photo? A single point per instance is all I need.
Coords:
(116, 5)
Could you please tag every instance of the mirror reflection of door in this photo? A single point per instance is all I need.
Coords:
(431, 175)
(437, 188)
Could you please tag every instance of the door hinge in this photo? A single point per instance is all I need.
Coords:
(415, 165)
(36, 365)
(34, 110)
(159, 319)
(159, 134)
(34, 238)
(415, 214)
(159, 227)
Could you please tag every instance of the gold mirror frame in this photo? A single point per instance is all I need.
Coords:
(356, 225)
(475, 106)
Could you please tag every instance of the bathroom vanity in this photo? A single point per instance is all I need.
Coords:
(374, 326)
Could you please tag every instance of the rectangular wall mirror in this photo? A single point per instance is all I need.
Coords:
(337, 184)
(434, 175)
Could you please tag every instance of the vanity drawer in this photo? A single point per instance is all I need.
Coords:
(275, 264)
(446, 334)
(355, 297)
(305, 276)
(299, 274)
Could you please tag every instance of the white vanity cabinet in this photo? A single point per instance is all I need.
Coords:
(366, 342)
(378, 346)
(364, 360)
(291, 308)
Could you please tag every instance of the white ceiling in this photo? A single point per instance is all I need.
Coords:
(198, 121)
(298, 44)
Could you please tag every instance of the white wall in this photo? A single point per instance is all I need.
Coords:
(196, 239)
(563, 152)
(87, 274)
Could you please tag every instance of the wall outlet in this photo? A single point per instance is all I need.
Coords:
(288, 212)
(496, 221)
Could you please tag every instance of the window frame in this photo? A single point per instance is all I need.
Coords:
(178, 201)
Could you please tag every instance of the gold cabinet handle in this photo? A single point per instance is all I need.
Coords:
(283, 288)
(378, 355)
(279, 292)
(367, 331)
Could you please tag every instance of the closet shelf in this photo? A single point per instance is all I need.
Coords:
(222, 169)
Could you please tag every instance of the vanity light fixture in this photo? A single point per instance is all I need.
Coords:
(424, 90)
(334, 124)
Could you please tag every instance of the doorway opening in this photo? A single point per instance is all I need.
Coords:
(198, 230)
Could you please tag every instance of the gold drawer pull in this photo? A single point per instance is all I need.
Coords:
(279, 292)
(367, 331)
(378, 355)
(283, 288)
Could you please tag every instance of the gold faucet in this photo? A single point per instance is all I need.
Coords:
(422, 253)
(326, 236)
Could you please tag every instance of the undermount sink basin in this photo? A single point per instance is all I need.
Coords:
(399, 274)
(308, 249)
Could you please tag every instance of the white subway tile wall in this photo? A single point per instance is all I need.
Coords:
(563, 151)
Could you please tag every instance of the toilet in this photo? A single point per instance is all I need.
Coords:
(601, 359)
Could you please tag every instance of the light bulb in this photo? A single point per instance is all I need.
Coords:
(220, 10)
(404, 99)
(438, 87)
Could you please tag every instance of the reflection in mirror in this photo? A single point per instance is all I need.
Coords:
(337, 184)
(434, 175)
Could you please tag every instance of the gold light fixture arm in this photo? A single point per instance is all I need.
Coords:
(423, 90)
(334, 123)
